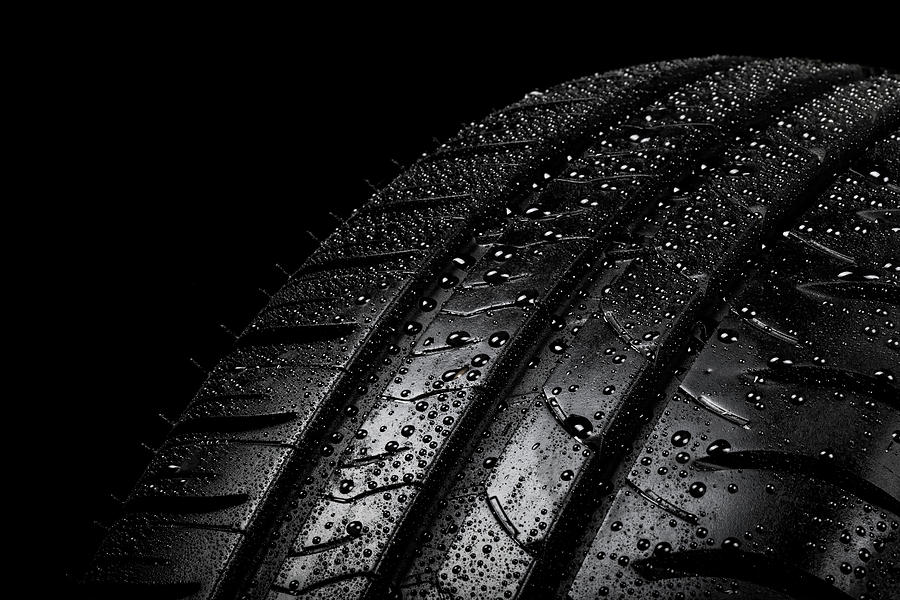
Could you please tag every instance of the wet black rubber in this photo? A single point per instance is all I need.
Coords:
(632, 337)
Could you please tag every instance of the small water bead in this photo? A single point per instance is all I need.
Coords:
(412, 328)
(682, 457)
(421, 405)
(407, 430)
(427, 304)
(643, 544)
(345, 486)
(490, 462)
(448, 280)
(662, 548)
(392, 446)
(609, 390)
(567, 475)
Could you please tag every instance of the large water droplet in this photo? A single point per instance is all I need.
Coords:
(681, 438)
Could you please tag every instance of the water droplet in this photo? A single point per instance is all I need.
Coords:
(427, 304)
(463, 261)
(496, 277)
(718, 447)
(407, 430)
(490, 462)
(458, 338)
(354, 528)
(412, 328)
(662, 548)
(479, 360)
(558, 347)
(502, 253)
(731, 543)
(697, 489)
(526, 298)
(728, 336)
(681, 438)
(567, 475)
(345, 486)
(826, 454)
(498, 339)
(578, 426)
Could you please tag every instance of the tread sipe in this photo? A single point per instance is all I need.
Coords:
(636, 336)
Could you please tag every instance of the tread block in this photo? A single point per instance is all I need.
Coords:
(143, 559)
(280, 401)
(209, 483)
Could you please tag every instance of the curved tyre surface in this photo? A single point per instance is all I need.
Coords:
(632, 337)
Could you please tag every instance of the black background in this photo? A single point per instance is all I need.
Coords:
(191, 157)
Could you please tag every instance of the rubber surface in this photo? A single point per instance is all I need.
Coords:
(635, 336)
